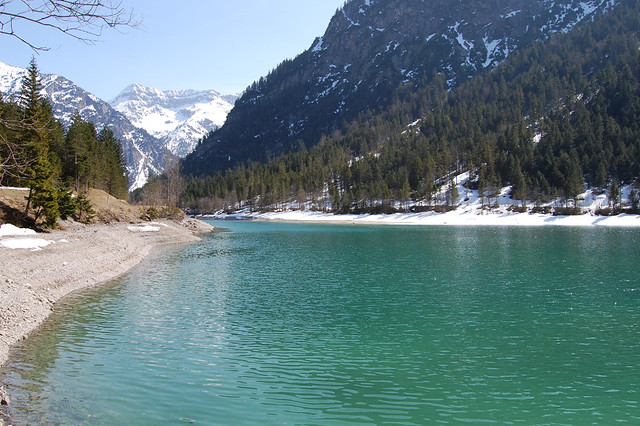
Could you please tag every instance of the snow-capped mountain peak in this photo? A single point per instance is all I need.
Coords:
(178, 117)
(143, 153)
(148, 122)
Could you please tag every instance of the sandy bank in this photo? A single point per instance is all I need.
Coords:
(53, 265)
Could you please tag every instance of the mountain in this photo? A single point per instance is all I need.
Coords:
(369, 50)
(151, 125)
(179, 118)
(552, 119)
(143, 152)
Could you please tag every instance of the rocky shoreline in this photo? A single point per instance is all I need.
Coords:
(35, 277)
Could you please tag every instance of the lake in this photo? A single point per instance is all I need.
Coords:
(280, 323)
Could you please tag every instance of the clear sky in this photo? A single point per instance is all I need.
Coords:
(192, 44)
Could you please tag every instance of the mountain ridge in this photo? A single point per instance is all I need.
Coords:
(146, 151)
(371, 48)
(180, 118)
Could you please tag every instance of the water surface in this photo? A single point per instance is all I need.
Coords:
(332, 324)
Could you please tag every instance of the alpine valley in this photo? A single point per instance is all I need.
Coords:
(153, 126)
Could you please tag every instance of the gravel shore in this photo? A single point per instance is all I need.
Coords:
(32, 281)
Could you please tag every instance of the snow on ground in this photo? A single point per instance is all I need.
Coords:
(455, 218)
(143, 228)
(12, 237)
(34, 244)
(470, 212)
(24, 242)
(22, 238)
(8, 230)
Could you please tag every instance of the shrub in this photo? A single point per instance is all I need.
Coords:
(567, 211)
(84, 212)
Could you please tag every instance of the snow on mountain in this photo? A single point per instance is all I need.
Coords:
(10, 78)
(179, 118)
(369, 50)
(151, 125)
(143, 152)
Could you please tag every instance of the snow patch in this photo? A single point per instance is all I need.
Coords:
(318, 46)
(34, 244)
(492, 49)
(8, 230)
(143, 228)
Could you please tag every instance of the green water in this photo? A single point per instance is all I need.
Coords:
(325, 324)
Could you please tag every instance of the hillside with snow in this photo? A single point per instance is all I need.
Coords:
(469, 208)
(369, 50)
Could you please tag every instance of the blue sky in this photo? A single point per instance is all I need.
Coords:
(192, 44)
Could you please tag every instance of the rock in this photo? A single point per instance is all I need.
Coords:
(4, 397)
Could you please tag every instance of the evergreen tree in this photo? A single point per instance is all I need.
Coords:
(36, 138)
(614, 194)
(111, 171)
(80, 154)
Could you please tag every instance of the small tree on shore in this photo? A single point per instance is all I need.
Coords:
(614, 194)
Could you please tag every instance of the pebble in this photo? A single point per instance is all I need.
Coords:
(4, 397)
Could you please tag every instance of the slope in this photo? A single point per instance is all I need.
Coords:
(552, 116)
(370, 48)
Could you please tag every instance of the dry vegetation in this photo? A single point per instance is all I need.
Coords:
(107, 209)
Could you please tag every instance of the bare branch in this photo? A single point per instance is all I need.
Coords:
(13, 161)
(83, 20)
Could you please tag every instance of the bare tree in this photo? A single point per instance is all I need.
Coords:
(175, 181)
(13, 161)
(83, 20)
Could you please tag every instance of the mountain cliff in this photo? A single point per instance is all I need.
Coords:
(179, 118)
(369, 50)
(550, 120)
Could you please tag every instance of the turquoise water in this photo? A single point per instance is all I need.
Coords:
(326, 324)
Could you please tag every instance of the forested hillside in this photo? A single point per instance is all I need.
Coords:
(371, 48)
(551, 117)
(37, 153)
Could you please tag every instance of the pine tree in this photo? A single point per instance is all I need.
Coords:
(80, 156)
(614, 194)
(111, 164)
(44, 196)
(35, 137)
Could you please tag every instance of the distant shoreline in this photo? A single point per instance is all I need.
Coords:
(460, 217)
(35, 278)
